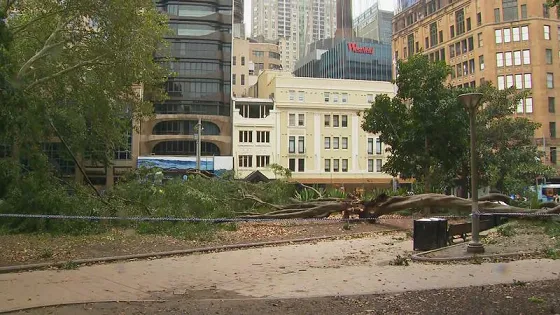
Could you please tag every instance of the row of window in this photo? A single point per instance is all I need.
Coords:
(246, 136)
(192, 10)
(337, 143)
(461, 47)
(515, 34)
(517, 58)
(525, 106)
(519, 81)
(234, 79)
(337, 121)
(334, 98)
(463, 69)
(198, 29)
(246, 161)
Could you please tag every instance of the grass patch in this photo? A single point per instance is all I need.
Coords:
(536, 300)
(506, 230)
(399, 261)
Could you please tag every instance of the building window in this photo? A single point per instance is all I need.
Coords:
(509, 81)
(379, 165)
(451, 51)
(234, 61)
(529, 105)
(551, 105)
(327, 96)
(344, 143)
(516, 34)
(410, 40)
(552, 129)
(527, 57)
(523, 11)
(336, 120)
(327, 120)
(481, 62)
(378, 146)
(507, 35)
(478, 19)
(344, 121)
(301, 144)
(468, 24)
(327, 165)
(242, 60)
(472, 66)
(370, 145)
(336, 166)
(547, 32)
(292, 144)
(501, 82)
(301, 165)
(301, 120)
(335, 97)
(242, 79)
(335, 143)
(517, 57)
(460, 21)
(499, 60)
(292, 165)
(553, 158)
(234, 79)
(327, 143)
(548, 54)
(441, 36)
(524, 32)
(263, 160)
(370, 165)
(344, 97)
(369, 98)
(301, 96)
(345, 165)
(519, 109)
(496, 15)
(122, 153)
(433, 34)
(519, 81)
(263, 136)
(245, 161)
(498, 36)
(480, 40)
(546, 11)
(550, 80)
(470, 40)
(508, 58)
(292, 120)
(510, 10)
(452, 31)
(292, 95)
(528, 81)
(245, 136)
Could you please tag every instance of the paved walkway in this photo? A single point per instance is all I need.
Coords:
(344, 267)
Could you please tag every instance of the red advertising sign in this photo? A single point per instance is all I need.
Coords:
(353, 47)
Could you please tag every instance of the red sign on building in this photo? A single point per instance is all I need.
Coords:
(353, 47)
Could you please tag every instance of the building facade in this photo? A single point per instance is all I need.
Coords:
(315, 130)
(507, 42)
(374, 24)
(250, 57)
(200, 49)
(354, 59)
(294, 23)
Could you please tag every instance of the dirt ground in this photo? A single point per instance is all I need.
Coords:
(37, 248)
(516, 298)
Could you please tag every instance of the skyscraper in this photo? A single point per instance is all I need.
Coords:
(294, 23)
(200, 48)
(374, 24)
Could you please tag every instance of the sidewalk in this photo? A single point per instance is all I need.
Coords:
(344, 267)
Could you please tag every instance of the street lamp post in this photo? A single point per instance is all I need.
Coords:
(471, 102)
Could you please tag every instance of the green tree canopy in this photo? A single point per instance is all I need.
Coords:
(427, 131)
(74, 63)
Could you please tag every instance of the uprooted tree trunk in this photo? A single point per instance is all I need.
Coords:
(383, 205)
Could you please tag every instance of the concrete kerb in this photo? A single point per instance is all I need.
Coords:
(29, 267)
(419, 256)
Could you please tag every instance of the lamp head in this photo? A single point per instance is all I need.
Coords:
(470, 100)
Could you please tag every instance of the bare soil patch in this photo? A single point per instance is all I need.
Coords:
(516, 298)
(39, 248)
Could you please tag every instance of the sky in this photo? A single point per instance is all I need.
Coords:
(358, 7)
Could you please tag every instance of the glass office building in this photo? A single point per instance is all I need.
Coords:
(355, 59)
(200, 49)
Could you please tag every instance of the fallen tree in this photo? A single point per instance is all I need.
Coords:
(384, 205)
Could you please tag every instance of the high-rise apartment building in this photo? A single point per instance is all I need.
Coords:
(508, 42)
(200, 88)
(374, 24)
(294, 23)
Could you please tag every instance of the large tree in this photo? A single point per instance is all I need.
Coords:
(426, 129)
(420, 125)
(73, 65)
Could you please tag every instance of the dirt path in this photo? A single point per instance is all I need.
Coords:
(520, 298)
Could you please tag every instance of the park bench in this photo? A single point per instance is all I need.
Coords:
(462, 229)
